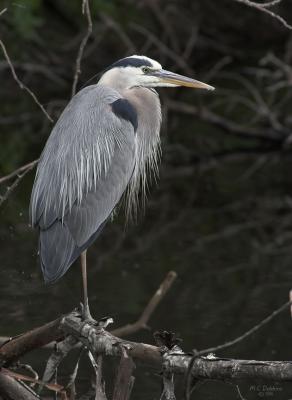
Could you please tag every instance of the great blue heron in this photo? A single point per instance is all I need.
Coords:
(104, 145)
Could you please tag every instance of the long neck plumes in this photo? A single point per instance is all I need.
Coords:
(147, 104)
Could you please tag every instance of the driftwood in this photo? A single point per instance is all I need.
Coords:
(15, 347)
(166, 356)
(12, 349)
(99, 341)
(209, 367)
(12, 389)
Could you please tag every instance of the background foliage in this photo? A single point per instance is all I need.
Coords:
(221, 212)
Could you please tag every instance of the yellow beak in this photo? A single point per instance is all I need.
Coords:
(180, 80)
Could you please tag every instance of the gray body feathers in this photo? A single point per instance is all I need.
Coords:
(91, 157)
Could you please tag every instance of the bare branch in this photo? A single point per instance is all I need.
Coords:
(20, 174)
(12, 346)
(178, 59)
(142, 322)
(228, 126)
(271, 3)
(20, 83)
(85, 9)
(47, 72)
(24, 378)
(249, 332)
(18, 171)
(112, 24)
(100, 341)
(12, 389)
(264, 8)
(3, 11)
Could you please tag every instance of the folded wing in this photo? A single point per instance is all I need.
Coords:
(84, 170)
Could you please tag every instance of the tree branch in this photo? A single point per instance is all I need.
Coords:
(250, 331)
(142, 321)
(100, 341)
(16, 347)
(85, 9)
(13, 348)
(172, 360)
(3, 11)
(12, 389)
(264, 8)
(20, 83)
(227, 125)
(20, 173)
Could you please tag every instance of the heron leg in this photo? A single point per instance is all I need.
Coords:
(85, 307)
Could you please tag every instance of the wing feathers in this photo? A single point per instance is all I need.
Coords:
(84, 169)
(56, 246)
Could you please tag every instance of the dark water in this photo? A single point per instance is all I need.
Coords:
(227, 232)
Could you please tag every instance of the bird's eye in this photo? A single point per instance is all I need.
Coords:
(146, 70)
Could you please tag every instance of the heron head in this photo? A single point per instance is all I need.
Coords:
(143, 71)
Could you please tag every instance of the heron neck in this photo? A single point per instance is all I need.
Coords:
(147, 105)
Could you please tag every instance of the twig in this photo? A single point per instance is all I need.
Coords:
(247, 333)
(122, 35)
(227, 126)
(34, 380)
(290, 299)
(165, 23)
(180, 62)
(11, 389)
(142, 321)
(3, 11)
(20, 83)
(48, 73)
(28, 368)
(230, 343)
(239, 393)
(24, 378)
(271, 3)
(264, 8)
(85, 9)
(20, 173)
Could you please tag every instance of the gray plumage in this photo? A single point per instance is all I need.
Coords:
(90, 158)
(105, 144)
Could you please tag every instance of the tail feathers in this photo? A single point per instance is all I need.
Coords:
(58, 250)
(56, 247)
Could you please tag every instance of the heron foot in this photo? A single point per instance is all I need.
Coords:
(85, 314)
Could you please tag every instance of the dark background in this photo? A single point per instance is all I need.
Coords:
(220, 214)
